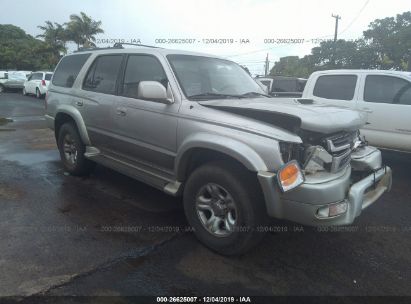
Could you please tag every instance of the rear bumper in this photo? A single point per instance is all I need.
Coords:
(42, 89)
(302, 204)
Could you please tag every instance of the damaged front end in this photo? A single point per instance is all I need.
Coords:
(333, 153)
(342, 176)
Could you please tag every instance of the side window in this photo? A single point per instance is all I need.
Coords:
(48, 76)
(387, 89)
(103, 74)
(142, 68)
(68, 69)
(335, 87)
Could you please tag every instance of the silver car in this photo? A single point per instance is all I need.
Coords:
(198, 126)
(12, 80)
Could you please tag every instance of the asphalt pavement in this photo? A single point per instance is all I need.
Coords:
(110, 235)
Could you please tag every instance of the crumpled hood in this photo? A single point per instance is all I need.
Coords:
(316, 117)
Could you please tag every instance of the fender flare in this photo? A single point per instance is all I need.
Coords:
(236, 149)
(78, 119)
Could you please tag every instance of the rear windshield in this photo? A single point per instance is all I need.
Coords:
(68, 69)
(48, 76)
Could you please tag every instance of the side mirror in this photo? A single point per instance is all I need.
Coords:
(153, 90)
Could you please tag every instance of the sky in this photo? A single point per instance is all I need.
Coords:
(243, 29)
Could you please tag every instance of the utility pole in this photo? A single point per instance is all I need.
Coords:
(267, 63)
(337, 17)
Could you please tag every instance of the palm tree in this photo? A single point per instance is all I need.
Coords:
(82, 30)
(54, 35)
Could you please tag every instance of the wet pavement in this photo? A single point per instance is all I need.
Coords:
(110, 235)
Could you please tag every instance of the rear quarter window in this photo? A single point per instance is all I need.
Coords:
(68, 69)
(340, 87)
(48, 76)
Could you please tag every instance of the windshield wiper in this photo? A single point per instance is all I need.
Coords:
(254, 93)
(211, 95)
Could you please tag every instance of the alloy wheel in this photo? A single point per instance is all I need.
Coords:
(216, 210)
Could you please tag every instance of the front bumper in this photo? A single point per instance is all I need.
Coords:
(303, 203)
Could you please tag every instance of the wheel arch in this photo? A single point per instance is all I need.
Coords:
(201, 148)
(66, 114)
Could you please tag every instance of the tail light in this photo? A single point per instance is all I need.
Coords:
(43, 83)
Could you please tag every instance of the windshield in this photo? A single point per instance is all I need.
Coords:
(210, 78)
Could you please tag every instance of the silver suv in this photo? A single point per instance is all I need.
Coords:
(198, 126)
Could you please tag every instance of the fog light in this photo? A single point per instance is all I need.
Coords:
(332, 210)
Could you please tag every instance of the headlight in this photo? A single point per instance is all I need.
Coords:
(290, 176)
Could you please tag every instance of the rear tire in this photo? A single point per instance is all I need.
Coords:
(237, 206)
(72, 151)
(2, 88)
(38, 94)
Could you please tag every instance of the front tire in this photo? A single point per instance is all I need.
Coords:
(223, 203)
(2, 88)
(24, 92)
(72, 151)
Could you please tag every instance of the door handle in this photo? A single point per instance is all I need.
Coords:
(79, 103)
(121, 111)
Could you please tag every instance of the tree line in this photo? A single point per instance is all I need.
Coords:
(386, 44)
(21, 51)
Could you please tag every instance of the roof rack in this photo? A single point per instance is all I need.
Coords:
(117, 45)
(120, 45)
(97, 49)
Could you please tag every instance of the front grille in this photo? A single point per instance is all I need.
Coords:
(339, 146)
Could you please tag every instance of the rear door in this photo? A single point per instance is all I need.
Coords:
(97, 105)
(388, 98)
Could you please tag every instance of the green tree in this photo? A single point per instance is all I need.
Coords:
(55, 35)
(82, 30)
(385, 45)
(391, 40)
(21, 51)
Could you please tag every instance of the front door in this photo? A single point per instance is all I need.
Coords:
(147, 129)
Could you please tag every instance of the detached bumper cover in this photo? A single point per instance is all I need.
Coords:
(301, 205)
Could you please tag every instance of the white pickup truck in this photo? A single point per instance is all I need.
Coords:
(386, 95)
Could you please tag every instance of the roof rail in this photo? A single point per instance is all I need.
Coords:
(117, 45)
(120, 45)
(97, 49)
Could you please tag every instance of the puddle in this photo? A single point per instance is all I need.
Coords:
(31, 158)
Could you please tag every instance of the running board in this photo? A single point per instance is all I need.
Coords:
(142, 173)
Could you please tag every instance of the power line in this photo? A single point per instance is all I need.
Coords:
(356, 17)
